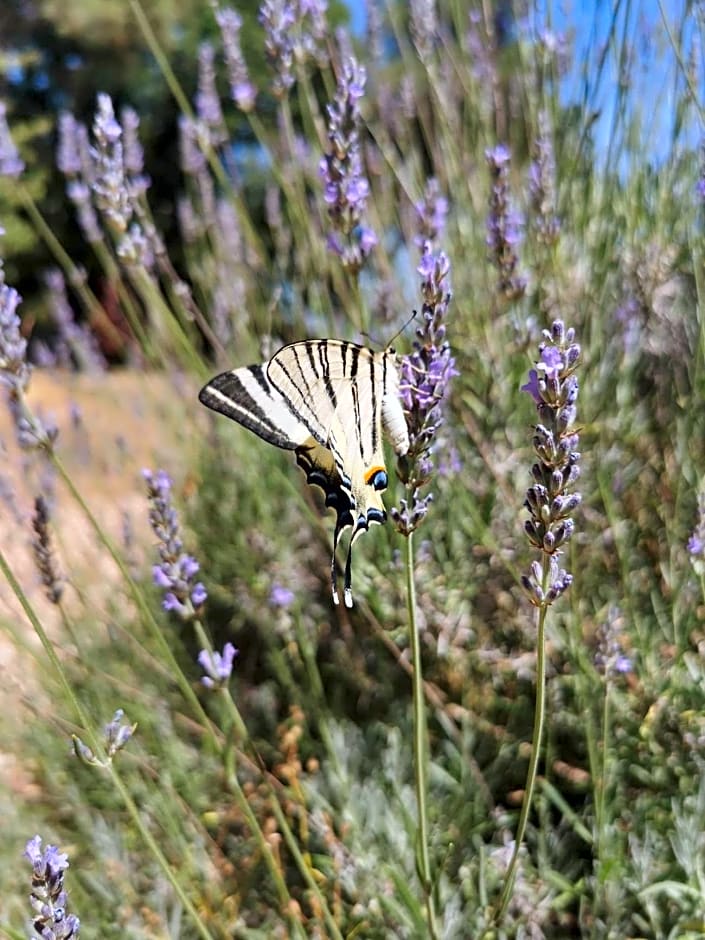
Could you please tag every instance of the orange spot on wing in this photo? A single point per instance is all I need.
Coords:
(369, 476)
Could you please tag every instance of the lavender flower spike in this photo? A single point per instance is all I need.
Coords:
(43, 550)
(218, 667)
(242, 91)
(346, 188)
(175, 574)
(549, 500)
(11, 164)
(504, 227)
(425, 379)
(48, 897)
(116, 734)
(542, 186)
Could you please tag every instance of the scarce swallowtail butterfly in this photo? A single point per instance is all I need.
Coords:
(328, 401)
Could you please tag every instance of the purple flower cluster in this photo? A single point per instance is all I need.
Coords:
(116, 734)
(425, 378)
(11, 164)
(346, 188)
(542, 186)
(242, 91)
(696, 542)
(48, 897)
(554, 387)
(176, 571)
(218, 667)
(15, 373)
(504, 227)
(108, 174)
(294, 31)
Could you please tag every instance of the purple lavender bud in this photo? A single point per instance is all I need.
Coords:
(176, 570)
(48, 897)
(242, 91)
(696, 543)
(218, 667)
(281, 596)
(610, 658)
(117, 733)
(504, 227)
(77, 339)
(11, 164)
(548, 501)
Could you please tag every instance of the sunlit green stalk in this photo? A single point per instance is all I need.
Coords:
(420, 744)
(536, 737)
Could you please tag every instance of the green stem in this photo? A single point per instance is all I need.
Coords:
(420, 743)
(97, 748)
(539, 716)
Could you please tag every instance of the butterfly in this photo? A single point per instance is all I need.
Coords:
(329, 401)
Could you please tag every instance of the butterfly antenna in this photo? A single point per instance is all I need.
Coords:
(402, 328)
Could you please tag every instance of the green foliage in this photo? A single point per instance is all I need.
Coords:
(285, 803)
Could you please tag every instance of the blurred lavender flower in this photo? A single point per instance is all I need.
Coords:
(43, 551)
(281, 596)
(278, 18)
(75, 340)
(610, 658)
(11, 164)
(542, 185)
(504, 227)
(110, 183)
(242, 91)
(425, 378)
(48, 897)
(218, 667)
(431, 213)
(133, 154)
(176, 571)
(116, 734)
(208, 108)
(423, 24)
(554, 387)
(346, 188)
(192, 159)
(696, 542)
(74, 160)
(15, 373)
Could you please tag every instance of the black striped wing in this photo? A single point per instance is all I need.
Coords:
(327, 400)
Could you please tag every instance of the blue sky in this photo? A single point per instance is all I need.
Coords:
(656, 82)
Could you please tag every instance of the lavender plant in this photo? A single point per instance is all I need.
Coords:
(175, 574)
(504, 227)
(44, 554)
(346, 188)
(550, 501)
(49, 898)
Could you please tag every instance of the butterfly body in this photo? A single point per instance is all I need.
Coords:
(330, 402)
